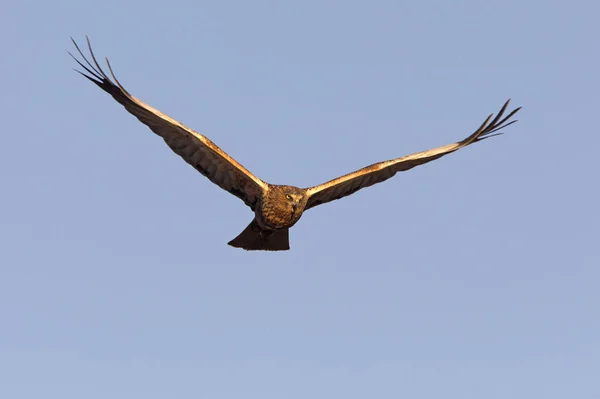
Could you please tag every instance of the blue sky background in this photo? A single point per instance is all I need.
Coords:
(475, 276)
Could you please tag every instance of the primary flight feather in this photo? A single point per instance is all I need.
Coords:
(276, 207)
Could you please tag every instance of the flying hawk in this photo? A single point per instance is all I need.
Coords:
(276, 207)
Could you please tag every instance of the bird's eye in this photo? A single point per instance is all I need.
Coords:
(288, 197)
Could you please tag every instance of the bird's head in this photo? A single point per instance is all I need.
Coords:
(286, 203)
(293, 197)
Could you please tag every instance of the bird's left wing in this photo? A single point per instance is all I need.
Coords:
(194, 148)
(376, 173)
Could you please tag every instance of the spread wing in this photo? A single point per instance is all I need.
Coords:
(194, 148)
(376, 173)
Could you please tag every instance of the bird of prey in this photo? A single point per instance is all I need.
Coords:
(276, 207)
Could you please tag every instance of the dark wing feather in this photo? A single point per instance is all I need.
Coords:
(193, 147)
(376, 173)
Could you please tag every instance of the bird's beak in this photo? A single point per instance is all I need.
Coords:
(295, 205)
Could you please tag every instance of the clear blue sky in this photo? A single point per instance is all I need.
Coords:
(475, 276)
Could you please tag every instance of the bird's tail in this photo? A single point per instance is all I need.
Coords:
(253, 238)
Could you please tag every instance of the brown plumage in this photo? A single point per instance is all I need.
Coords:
(276, 207)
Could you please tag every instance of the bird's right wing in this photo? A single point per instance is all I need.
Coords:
(376, 173)
(194, 148)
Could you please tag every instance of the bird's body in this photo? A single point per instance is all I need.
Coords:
(276, 207)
